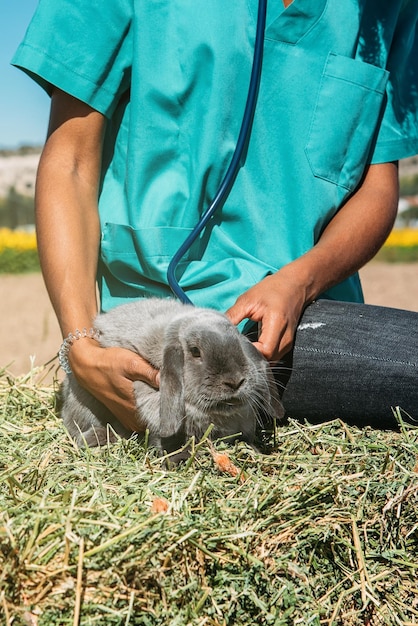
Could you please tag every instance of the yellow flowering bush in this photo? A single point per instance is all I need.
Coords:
(403, 237)
(18, 251)
(400, 246)
(17, 239)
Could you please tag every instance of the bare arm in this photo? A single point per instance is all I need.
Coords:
(67, 220)
(68, 232)
(351, 239)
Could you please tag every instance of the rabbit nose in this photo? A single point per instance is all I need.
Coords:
(234, 385)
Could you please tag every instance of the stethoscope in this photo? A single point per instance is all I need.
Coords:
(236, 161)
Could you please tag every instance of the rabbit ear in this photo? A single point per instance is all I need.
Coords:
(172, 406)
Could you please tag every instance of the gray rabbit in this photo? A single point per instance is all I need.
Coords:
(209, 374)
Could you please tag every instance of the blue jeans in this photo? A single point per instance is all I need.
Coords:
(352, 361)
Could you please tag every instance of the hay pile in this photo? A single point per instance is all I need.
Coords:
(324, 530)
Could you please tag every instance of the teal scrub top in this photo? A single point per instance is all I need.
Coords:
(339, 90)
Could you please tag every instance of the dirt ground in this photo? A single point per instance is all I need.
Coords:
(29, 333)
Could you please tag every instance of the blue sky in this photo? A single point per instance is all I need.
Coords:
(24, 107)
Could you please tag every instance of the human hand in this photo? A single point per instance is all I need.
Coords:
(277, 303)
(108, 374)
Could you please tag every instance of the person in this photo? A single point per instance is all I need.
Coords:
(146, 106)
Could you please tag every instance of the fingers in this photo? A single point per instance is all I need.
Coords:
(276, 337)
(269, 339)
(118, 392)
(240, 311)
(108, 374)
(136, 368)
(276, 308)
(273, 351)
(120, 400)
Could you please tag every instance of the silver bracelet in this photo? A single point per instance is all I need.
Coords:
(91, 333)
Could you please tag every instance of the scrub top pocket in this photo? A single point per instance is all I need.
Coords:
(345, 119)
(133, 254)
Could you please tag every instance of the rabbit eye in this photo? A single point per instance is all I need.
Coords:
(195, 352)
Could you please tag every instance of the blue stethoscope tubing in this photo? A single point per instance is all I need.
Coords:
(236, 161)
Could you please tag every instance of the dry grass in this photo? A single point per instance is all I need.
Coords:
(323, 530)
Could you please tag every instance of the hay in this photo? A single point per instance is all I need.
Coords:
(322, 531)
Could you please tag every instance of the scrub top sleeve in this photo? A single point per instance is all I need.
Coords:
(398, 134)
(83, 48)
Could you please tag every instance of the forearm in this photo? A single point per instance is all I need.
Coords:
(67, 219)
(353, 236)
(68, 238)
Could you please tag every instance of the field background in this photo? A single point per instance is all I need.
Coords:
(29, 330)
